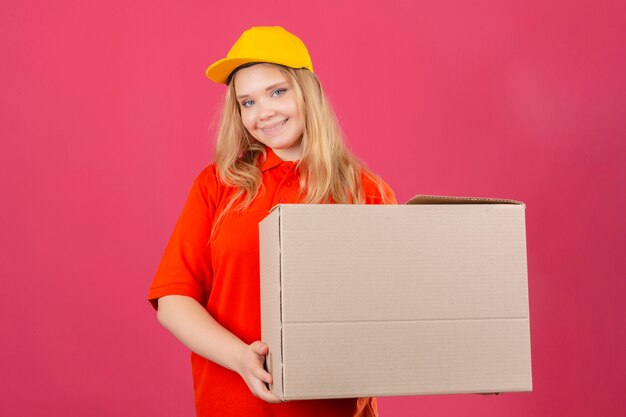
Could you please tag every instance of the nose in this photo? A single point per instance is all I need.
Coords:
(266, 110)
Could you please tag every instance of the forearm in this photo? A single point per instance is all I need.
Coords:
(190, 323)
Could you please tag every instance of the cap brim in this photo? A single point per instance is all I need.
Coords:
(220, 70)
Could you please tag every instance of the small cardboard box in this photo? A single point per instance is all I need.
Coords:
(430, 297)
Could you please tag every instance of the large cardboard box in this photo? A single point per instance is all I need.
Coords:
(368, 300)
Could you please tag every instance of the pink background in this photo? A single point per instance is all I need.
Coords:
(105, 116)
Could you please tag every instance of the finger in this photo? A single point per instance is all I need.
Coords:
(261, 391)
(262, 375)
(260, 348)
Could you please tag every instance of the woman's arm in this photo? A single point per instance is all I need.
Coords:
(190, 323)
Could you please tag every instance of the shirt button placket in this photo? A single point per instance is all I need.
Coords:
(287, 184)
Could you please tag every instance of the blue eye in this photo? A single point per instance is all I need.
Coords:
(279, 92)
(247, 103)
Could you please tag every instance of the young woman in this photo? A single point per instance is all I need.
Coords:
(278, 142)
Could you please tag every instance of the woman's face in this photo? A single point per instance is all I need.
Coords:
(269, 109)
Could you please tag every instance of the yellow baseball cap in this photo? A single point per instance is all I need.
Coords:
(262, 44)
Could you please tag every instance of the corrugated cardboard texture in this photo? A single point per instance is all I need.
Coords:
(395, 300)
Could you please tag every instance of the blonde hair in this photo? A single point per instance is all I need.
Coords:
(329, 172)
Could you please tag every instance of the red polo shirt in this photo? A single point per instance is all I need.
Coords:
(223, 276)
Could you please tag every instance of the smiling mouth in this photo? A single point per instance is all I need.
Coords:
(275, 127)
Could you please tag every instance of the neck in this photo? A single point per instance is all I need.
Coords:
(291, 154)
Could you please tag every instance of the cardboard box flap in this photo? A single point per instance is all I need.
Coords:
(444, 199)
(446, 262)
(350, 359)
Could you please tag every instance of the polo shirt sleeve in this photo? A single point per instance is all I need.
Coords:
(376, 190)
(185, 268)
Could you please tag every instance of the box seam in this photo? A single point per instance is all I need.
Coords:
(404, 321)
(280, 298)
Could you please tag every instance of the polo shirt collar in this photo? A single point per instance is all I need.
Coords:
(272, 160)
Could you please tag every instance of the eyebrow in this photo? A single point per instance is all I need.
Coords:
(271, 87)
